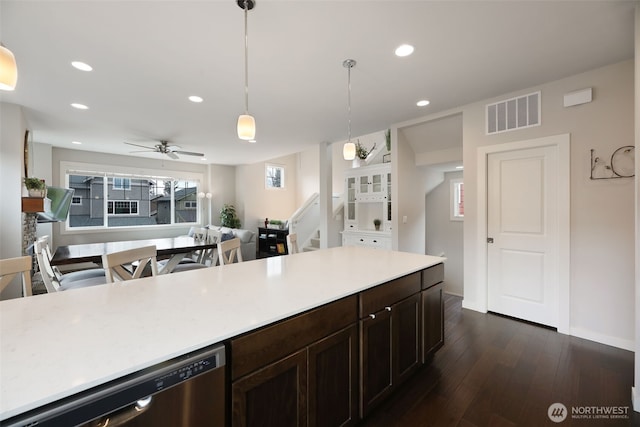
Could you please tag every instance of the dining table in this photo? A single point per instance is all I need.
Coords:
(173, 248)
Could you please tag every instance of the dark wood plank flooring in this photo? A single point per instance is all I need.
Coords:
(497, 371)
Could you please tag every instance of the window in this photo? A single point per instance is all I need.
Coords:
(102, 200)
(121, 184)
(274, 176)
(122, 207)
(457, 200)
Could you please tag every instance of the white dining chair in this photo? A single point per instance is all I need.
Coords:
(54, 281)
(229, 251)
(292, 243)
(117, 264)
(11, 268)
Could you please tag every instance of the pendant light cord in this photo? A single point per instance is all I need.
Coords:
(246, 59)
(349, 100)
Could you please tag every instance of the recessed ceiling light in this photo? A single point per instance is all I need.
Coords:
(422, 103)
(404, 50)
(79, 106)
(204, 159)
(459, 167)
(82, 66)
(194, 98)
(76, 142)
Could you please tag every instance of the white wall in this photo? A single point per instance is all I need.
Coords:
(636, 390)
(12, 129)
(444, 236)
(408, 189)
(602, 212)
(255, 202)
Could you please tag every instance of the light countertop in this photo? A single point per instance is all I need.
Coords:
(56, 345)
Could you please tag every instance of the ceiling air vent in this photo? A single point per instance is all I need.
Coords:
(515, 113)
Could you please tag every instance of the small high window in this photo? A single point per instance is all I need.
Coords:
(457, 200)
(274, 176)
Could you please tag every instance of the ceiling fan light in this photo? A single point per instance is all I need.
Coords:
(246, 127)
(349, 151)
(8, 69)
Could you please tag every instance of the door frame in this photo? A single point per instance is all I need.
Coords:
(562, 144)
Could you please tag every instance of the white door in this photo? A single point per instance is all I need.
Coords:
(523, 239)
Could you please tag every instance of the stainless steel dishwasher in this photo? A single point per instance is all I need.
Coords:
(187, 391)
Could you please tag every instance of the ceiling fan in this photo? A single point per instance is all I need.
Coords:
(163, 147)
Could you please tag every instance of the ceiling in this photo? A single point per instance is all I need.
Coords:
(149, 56)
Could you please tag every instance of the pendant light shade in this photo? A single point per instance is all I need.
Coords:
(8, 69)
(247, 127)
(349, 148)
(349, 151)
(246, 122)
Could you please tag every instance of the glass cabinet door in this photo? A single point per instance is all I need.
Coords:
(364, 184)
(376, 183)
(389, 197)
(351, 199)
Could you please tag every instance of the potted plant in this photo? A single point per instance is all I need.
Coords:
(376, 224)
(275, 223)
(36, 187)
(229, 217)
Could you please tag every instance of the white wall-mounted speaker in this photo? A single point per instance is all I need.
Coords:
(578, 97)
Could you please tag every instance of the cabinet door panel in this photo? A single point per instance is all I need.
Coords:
(433, 320)
(406, 337)
(333, 376)
(273, 396)
(375, 354)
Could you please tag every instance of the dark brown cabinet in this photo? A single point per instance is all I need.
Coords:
(274, 395)
(390, 330)
(332, 365)
(299, 372)
(432, 310)
(333, 380)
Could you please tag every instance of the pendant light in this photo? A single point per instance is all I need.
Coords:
(349, 148)
(8, 69)
(246, 122)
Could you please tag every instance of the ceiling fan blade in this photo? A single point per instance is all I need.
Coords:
(172, 155)
(140, 151)
(189, 153)
(138, 145)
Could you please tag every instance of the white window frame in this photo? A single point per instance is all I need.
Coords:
(454, 199)
(108, 171)
(131, 203)
(73, 201)
(267, 181)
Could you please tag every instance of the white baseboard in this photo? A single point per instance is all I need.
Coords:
(603, 339)
(472, 306)
(635, 399)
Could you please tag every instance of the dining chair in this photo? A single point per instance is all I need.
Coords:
(229, 250)
(117, 264)
(292, 243)
(12, 267)
(85, 273)
(61, 282)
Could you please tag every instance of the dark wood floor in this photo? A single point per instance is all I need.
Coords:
(496, 371)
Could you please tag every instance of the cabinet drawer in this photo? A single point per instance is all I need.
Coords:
(257, 349)
(376, 299)
(432, 276)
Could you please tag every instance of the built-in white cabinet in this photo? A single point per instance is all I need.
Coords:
(368, 198)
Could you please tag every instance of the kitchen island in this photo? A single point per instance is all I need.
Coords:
(56, 345)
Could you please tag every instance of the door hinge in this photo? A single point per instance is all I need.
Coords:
(489, 239)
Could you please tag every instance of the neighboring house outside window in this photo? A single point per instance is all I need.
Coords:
(76, 200)
(121, 184)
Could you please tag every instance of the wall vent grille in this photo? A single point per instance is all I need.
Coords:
(515, 113)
